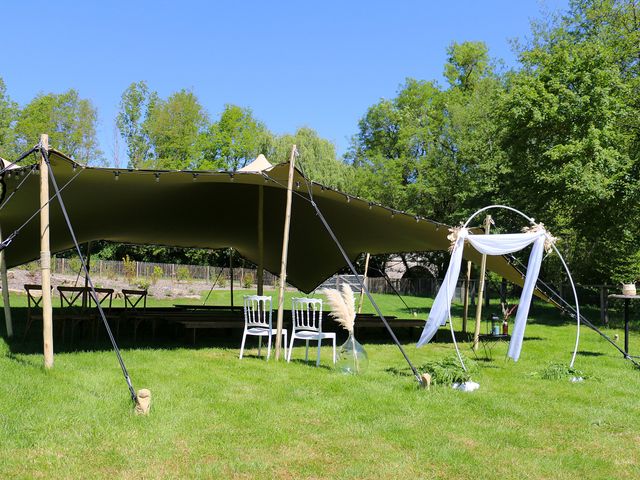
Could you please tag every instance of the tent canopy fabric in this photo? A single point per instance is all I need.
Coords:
(219, 210)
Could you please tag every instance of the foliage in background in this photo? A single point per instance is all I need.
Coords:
(8, 117)
(69, 120)
(317, 158)
(156, 274)
(247, 280)
(235, 140)
(129, 267)
(183, 274)
(131, 123)
(557, 137)
(143, 283)
(176, 127)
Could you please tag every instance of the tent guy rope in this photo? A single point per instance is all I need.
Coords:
(94, 295)
(364, 288)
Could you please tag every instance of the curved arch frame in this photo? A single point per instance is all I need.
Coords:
(566, 268)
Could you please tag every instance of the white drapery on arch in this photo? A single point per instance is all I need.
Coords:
(497, 244)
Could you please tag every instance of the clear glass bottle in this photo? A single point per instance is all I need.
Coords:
(352, 357)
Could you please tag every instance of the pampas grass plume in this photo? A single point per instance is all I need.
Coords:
(342, 306)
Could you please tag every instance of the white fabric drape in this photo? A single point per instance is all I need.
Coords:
(442, 302)
(490, 245)
(503, 243)
(533, 269)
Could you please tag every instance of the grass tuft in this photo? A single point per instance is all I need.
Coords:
(559, 371)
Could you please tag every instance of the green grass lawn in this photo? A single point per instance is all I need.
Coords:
(214, 416)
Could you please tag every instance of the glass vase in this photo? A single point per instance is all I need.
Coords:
(352, 357)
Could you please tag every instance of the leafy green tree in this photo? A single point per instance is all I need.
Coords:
(467, 64)
(571, 132)
(426, 150)
(176, 129)
(434, 151)
(134, 112)
(69, 120)
(394, 139)
(8, 116)
(235, 140)
(317, 157)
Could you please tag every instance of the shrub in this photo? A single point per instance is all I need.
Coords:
(183, 273)
(129, 267)
(143, 283)
(74, 264)
(109, 272)
(32, 267)
(247, 280)
(156, 274)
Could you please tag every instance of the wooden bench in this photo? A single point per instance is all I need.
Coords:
(395, 323)
(194, 325)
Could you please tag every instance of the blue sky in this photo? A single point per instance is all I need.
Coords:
(317, 63)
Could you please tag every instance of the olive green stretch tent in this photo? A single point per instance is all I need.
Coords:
(217, 210)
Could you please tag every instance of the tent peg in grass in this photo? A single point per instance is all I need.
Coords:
(143, 402)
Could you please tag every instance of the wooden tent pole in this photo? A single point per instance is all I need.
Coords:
(260, 271)
(366, 271)
(231, 274)
(285, 253)
(85, 294)
(483, 270)
(5, 293)
(467, 283)
(45, 258)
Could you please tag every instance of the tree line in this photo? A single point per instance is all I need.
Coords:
(556, 137)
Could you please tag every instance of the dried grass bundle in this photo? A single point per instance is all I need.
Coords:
(342, 306)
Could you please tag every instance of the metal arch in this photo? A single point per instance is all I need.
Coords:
(566, 268)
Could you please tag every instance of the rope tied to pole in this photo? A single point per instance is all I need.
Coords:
(93, 293)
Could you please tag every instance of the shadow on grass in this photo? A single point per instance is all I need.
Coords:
(590, 354)
(171, 336)
(168, 336)
(312, 363)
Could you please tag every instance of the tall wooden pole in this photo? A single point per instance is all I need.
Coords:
(5, 293)
(85, 294)
(366, 270)
(45, 258)
(467, 283)
(260, 271)
(285, 253)
(231, 274)
(483, 270)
